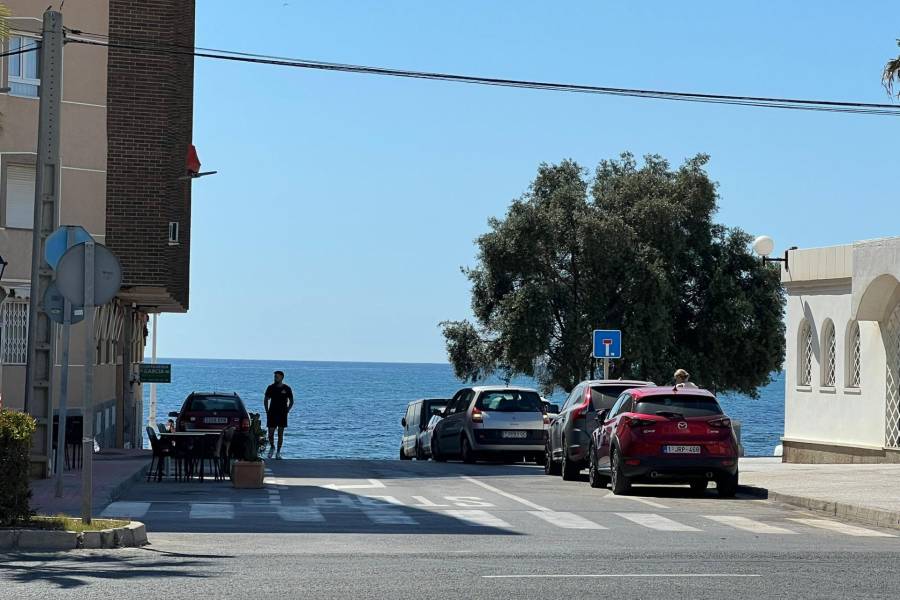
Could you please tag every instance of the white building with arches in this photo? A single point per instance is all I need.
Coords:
(842, 367)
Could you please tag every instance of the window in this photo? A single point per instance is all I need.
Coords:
(854, 359)
(829, 372)
(173, 232)
(24, 68)
(685, 405)
(574, 398)
(510, 401)
(617, 407)
(604, 396)
(805, 349)
(19, 208)
(14, 314)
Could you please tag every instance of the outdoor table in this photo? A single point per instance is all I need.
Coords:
(174, 435)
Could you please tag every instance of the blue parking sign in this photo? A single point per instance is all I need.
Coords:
(607, 343)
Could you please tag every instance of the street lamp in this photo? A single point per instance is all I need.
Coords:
(764, 245)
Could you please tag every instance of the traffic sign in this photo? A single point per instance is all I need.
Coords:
(107, 275)
(58, 242)
(54, 304)
(607, 343)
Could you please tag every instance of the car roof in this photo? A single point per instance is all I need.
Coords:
(430, 400)
(644, 392)
(215, 394)
(618, 382)
(502, 388)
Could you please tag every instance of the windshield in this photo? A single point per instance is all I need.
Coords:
(603, 397)
(213, 403)
(684, 405)
(510, 401)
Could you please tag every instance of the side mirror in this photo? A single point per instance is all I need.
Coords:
(601, 416)
(173, 414)
(403, 422)
(553, 409)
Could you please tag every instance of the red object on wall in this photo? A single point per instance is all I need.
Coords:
(193, 161)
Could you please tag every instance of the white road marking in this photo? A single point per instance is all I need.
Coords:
(565, 520)
(424, 502)
(839, 527)
(500, 492)
(301, 514)
(641, 500)
(134, 510)
(478, 518)
(468, 502)
(373, 484)
(748, 524)
(201, 510)
(654, 521)
(378, 500)
(621, 575)
(388, 516)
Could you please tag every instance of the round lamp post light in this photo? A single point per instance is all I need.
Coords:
(764, 246)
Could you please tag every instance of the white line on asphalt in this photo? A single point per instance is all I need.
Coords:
(479, 518)
(839, 527)
(618, 575)
(378, 500)
(200, 510)
(641, 500)
(747, 524)
(373, 484)
(565, 520)
(388, 516)
(301, 514)
(126, 509)
(527, 503)
(426, 503)
(654, 521)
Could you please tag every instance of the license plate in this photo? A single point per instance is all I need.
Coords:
(681, 449)
(216, 420)
(514, 434)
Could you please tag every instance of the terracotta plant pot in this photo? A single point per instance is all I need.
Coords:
(247, 474)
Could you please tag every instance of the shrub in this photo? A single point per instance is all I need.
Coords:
(15, 446)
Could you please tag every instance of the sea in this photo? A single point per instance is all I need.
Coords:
(353, 409)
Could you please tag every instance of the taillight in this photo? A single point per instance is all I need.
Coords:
(245, 424)
(723, 422)
(585, 404)
(477, 417)
(637, 422)
(546, 419)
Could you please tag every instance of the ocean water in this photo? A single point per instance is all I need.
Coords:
(353, 410)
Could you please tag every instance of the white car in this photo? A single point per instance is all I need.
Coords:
(425, 436)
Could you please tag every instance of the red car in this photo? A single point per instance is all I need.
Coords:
(664, 435)
(216, 410)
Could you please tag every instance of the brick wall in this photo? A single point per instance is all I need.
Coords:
(149, 125)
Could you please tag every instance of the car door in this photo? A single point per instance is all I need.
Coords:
(452, 425)
(408, 427)
(604, 433)
(558, 426)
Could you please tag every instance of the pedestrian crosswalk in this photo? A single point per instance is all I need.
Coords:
(389, 512)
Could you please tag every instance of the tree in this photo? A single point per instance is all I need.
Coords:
(891, 72)
(634, 248)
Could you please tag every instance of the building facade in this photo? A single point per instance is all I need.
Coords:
(126, 126)
(842, 368)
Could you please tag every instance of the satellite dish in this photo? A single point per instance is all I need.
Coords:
(107, 275)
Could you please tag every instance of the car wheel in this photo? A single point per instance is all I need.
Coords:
(727, 486)
(436, 455)
(550, 466)
(570, 470)
(699, 486)
(620, 483)
(403, 455)
(468, 456)
(594, 477)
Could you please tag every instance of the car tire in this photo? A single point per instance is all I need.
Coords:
(551, 467)
(699, 486)
(619, 482)
(727, 486)
(594, 477)
(403, 455)
(436, 455)
(570, 470)
(466, 453)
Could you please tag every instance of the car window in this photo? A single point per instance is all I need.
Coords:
(571, 400)
(686, 405)
(417, 415)
(510, 401)
(213, 404)
(428, 414)
(409, 416)
(461, 404)
(605, 396)
(617, 407)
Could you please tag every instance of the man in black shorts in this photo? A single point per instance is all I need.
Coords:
(278, 403)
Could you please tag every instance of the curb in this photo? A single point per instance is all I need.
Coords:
(871, 516)
(132, 535)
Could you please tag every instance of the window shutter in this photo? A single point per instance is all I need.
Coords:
(19, 197)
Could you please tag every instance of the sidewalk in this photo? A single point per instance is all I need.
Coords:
(113, 472)
(862, 492)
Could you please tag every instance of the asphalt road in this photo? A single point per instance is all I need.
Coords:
(381, 529)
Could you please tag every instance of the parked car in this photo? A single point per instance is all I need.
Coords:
(570, 431)
(212, 410)
(491, 421)
(664, 435)
(425, 436)
(418, 413)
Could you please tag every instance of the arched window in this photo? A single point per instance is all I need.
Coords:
(829, 363)
(805, 354)
(854, 357)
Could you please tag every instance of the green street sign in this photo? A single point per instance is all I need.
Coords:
(158, 373)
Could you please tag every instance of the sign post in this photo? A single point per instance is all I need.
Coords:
(607, 345)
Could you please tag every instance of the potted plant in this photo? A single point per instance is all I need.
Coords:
(249, 471)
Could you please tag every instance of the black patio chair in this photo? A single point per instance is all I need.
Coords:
(161, 451)
(210, 451)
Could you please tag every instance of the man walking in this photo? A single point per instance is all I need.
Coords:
(278, 402)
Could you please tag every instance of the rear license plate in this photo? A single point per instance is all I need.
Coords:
(216, 420)
(514, 434)
(681, 449)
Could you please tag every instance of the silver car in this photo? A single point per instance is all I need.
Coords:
(491, 420)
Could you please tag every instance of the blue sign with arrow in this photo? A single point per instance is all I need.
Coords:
(607, 343)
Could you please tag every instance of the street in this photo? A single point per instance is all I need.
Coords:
(383, 529)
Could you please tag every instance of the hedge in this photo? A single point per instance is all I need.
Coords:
(15, 447)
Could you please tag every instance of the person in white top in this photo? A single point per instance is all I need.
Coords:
(682, 379)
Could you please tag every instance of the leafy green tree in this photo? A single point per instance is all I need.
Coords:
(633, 247)
(891, 72)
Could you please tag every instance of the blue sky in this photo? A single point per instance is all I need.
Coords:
(345, 204)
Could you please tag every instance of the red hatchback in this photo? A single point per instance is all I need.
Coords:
(664, 435)
(212, 411)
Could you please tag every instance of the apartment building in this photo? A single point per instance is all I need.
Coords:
(126, 127)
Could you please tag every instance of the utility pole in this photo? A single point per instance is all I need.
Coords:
(41, 341)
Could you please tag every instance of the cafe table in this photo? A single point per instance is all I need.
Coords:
(175, 435)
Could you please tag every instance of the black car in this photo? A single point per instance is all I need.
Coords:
(570, 431)
(418, 413)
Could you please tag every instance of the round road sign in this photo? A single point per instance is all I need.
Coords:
(107, 275)
(54, 304)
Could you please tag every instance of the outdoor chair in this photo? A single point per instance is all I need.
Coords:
(211, 452)
(161, 451)
(161, 427)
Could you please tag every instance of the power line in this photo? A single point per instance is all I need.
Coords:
(757, 101)
(22, 50)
